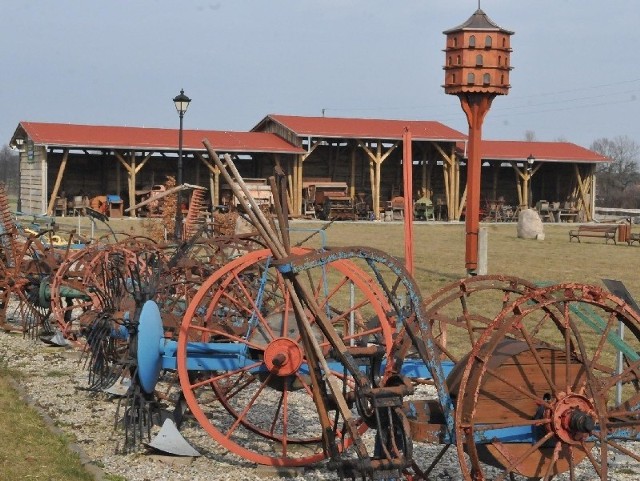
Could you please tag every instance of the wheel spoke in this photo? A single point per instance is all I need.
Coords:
(509, 469)
(541, 366)
(554, 459)
(225, 334)
(521, 390)
(623, 450)
(249, 405)
(256, 310)
(225, 375)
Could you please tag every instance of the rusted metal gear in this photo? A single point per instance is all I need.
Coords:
(246, 305)
(552, 397)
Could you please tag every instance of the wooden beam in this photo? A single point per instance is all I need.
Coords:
(122, 161)
(56, 186)
(352, 180)
(583, 189)
(375, 161)
(131, 171)
(142, 162)
(451, 173)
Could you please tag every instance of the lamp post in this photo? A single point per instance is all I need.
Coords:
(181, 102)
(530, 160)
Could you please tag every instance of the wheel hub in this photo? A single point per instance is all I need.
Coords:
(573, 418)
(283, 357)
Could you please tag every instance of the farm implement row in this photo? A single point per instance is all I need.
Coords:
(289, 356)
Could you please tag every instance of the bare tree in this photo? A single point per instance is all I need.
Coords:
(529, 136)
(617, 180)
(9, 169)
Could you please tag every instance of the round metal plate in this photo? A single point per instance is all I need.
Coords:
(150, 334)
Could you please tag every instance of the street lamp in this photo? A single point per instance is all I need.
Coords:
(530, 160)
(181, 102)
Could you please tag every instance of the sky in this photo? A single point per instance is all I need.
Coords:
(576, 73)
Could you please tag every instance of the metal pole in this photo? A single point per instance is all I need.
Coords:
(178, 226)
(620, 366)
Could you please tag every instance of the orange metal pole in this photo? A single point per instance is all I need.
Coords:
(475, 107)
(407, 177)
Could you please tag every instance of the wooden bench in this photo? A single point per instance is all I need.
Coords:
(608, 232)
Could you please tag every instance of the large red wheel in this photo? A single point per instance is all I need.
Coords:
(567, 380)
(264, 412)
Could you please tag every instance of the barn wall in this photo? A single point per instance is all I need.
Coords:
(33, 165)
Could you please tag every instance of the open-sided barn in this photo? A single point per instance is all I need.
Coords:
(364, 155)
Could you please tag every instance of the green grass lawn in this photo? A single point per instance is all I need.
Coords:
(29, 449)
(439, 253)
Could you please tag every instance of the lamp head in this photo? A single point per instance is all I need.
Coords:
(182, 102)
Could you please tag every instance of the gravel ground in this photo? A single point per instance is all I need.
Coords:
(53, 379)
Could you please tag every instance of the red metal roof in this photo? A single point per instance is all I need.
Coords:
(376, 129)
(513, 150)
(145, 138)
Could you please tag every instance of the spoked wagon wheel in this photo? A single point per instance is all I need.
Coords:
(457, 314)
(565, 392)
(261, 407)
(189, 268)
(460, 312)
(70, 295)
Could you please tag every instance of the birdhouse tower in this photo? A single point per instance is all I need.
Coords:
(477, 57)
(476, 70)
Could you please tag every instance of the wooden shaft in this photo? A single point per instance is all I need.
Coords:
(294, 286)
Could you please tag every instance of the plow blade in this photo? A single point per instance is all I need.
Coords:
(170, 441)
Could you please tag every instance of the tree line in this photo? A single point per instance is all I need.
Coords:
(618, 181)
(10, 170)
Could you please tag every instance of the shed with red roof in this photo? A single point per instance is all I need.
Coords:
(363, 154)
(94, 159)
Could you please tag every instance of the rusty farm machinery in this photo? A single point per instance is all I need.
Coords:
(289, 356)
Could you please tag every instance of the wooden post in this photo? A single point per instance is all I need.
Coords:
(118, 179)
(56, 186)
(483, 244)
(352, 186)
(375, 162)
